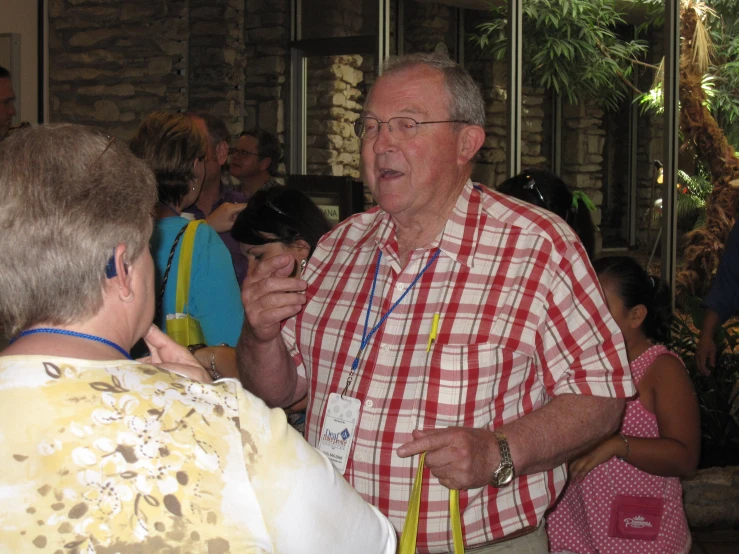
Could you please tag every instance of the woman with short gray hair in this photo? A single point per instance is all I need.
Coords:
(103, 453)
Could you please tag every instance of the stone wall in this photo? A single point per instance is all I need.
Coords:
(492, 75)
(217, 60)
(267, 54)
(335, 98)
(583, 138)
(333, 105)
(426, 27)
(111, 63)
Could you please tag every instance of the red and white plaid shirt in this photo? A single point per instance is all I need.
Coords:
(521, 320)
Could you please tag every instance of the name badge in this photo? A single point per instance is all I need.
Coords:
(339, 426)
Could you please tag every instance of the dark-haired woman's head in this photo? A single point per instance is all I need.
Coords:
(637, 301)
(546, 190)
(280, 220)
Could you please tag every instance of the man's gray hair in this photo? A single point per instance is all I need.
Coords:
(217, 131)
(465, 99)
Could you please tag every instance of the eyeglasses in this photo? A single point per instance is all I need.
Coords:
(402, 128)
(530, 184)
(238, 153)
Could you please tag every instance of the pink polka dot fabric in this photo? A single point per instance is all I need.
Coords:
(579, 521)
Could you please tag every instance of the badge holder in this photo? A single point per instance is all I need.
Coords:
(339, 425)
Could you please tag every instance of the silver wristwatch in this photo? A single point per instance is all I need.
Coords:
(503, 475)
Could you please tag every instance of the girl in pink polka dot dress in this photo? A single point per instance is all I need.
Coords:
(624, 496)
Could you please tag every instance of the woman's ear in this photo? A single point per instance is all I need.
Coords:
(121, 278)
(303, 248)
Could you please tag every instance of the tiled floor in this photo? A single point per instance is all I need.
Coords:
(715, 542)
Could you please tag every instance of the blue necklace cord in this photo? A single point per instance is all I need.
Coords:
(85, 336)
(365, 336)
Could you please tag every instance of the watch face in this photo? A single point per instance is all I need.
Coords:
(505, 476)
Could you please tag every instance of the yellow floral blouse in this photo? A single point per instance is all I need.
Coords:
(123, 457)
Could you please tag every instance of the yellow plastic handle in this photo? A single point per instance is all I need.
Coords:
(184, 266)
(410, 527)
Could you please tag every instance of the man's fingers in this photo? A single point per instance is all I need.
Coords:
(427, 440)
(274, 265)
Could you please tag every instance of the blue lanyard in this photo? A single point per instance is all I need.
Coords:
(73, 334)
(367, 336)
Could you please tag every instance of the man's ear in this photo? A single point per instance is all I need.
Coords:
(222, 152)
(264, 163)
(637, 315)
(470, 141)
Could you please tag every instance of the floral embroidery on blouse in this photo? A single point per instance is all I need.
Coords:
(106, 450)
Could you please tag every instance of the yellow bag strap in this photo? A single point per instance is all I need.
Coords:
(410, 527)
(185, 265)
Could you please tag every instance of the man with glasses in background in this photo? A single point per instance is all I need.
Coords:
(450, 320)
(254, 161)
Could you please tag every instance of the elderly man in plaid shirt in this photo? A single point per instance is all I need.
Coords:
(450, 320)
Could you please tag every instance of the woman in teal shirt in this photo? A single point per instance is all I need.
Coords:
(175, 149)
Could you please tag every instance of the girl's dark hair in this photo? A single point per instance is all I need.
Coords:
(286, 213)
(634, 286)
(546, 190)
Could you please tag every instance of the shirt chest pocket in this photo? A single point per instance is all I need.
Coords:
(474, 385)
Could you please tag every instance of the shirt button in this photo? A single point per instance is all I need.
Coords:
(369, 403)
(385, 348)
(358, 456)
(400, 287)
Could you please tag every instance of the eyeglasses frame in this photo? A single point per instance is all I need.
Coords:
(359, 125)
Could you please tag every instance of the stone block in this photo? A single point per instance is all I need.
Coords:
(532, 161)
(55, 8)
(94, 37)
(105, 110)
(320, 156)
(152, 88)
(596, 195)
(75, 111)
(580, 181)
(531, 100)
(268, 115)
(78, 74)
(530, 149)
(595, 144)
(206, 12)
(91, 57)
(273, 18)
(131, 12)
(122, 89)
(173, 47)
(268, 65)
(532, 125)
(89, 17)
(266, 34)
(160, 65)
